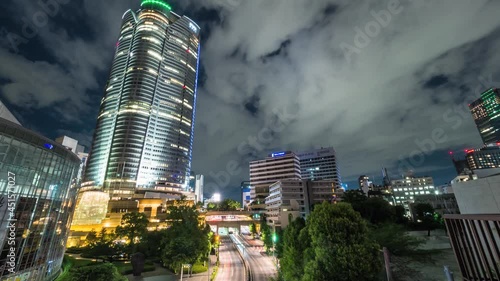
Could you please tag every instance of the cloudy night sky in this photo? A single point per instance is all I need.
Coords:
(278, 75)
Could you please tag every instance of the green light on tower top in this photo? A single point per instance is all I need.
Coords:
(156, 2)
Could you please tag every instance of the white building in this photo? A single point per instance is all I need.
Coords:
(72, 145)
(480, 196)
(277, 166)
(406, 190)
(286, 198)
(198, 187)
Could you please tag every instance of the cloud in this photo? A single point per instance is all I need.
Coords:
(372, 109)
(262, 57)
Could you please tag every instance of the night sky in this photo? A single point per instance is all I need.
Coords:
(385, 83)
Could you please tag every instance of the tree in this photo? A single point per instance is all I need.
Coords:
(340, 246)
(295, 243)
(150, 245)
(102, 247)
(91, 237)
(425, 216)
(133, 226)
(376, 210)
(212, 206)
(186, 241)
(253, 229)
(229, 205)
(266, 232)
(354, 197)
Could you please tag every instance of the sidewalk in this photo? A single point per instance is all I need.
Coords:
(163, 274)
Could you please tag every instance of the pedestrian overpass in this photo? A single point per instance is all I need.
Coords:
(227, 222)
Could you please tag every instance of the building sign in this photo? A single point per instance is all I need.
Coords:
(277, 154)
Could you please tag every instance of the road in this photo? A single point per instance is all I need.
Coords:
(261, 265)
(231, 266)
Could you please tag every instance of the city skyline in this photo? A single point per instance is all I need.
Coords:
(264, 92)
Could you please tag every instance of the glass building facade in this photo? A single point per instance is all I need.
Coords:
(486, 114)
(37, 196)
(144, 132)
(320, 164)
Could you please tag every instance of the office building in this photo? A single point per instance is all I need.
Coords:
(485, 112)
(407, 190)
(487, 157)
(140, 159)
(277, 166)
(79, 150)
(144, 133)
(319, 164)
(198, 187)
(293, 198)
(246, 197)
(38, 179)
(365, 184)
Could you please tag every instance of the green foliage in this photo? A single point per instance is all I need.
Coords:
(102, 247)
(150, 243)
(212, 206)
(126, 268)
(133, 226)
(395, 238)
(253, 229)
(333, 244)
(296, 242)
(266, 233)
(186, 241)
(98, 272)
(229, 205)
(424, 213)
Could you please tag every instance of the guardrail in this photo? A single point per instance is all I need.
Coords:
(248, 272)
(476, 243)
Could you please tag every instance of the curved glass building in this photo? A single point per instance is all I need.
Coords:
(37, 198)
(144, 133)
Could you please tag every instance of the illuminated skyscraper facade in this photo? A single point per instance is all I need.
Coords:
(486, 114)
(144, 132)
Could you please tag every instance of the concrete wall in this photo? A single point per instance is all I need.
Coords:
(481, 196)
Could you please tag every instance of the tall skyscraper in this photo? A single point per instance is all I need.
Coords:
(486, 113)
(319, 164)
(277, 166)
(144, 133)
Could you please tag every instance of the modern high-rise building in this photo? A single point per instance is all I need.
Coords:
(319, 164)
(486, 113)
(37, 200)
(144, 133)
(277, 166)
(246, 197)
(198, 187)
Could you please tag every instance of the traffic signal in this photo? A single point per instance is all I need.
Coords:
(275, 237)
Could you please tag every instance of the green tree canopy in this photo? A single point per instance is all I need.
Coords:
(424, 213)
(133, 226)
(99, 272)
(229, 205)
(186, 241)
(295, 243)
(340, 247)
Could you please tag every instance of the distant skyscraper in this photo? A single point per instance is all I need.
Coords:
(319, 164)
(277, 166)
(486, 113)
(246, 197)
(144, 132)
(365, 184)
(198, 187)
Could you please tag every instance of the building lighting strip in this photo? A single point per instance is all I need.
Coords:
(157, 2)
